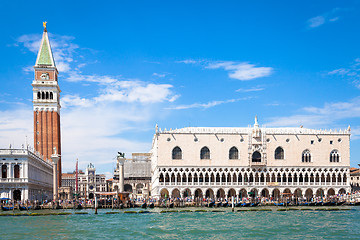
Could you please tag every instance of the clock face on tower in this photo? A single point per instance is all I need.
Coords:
(45, 76)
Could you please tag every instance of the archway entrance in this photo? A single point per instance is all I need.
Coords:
(265, 193)
(231, 193)
(320, 193)
(164, 193)
(91, 195)
(243, 193)
(308, 194)
(253, 193)
(220, 193)
(209, 194)
(198, 193)
(298, 193)
(276, 194)
(17, 195)
(175, 193)
(186, 193)
(331, 192)
(128, 188)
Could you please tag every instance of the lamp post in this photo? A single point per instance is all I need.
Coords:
(55, 158)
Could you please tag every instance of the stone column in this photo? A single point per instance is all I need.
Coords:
(121, 174)
(55, 158)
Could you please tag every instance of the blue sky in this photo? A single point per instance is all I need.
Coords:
(127, 65)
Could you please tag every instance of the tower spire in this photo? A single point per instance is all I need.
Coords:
(45, 57)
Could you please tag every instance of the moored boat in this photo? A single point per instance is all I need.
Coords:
(7, 208)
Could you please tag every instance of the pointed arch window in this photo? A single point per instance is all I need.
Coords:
(51, 95)
(256, 156)
(42, 95)
(47, 95)
(38, 95)
(279, 153)
(234, 153)
(334, 156)
(306, 156)
(176, 153)
(205, 153)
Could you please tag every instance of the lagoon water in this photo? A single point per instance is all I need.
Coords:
(187, 225)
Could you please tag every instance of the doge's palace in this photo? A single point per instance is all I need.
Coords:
(258, 161)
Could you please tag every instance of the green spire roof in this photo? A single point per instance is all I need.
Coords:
(45, 57)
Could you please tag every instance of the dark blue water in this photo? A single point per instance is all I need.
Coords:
(184, 225)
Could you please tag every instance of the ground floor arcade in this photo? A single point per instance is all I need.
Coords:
(275, 193)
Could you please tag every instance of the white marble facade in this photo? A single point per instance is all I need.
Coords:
(224, 162)
(24, 175)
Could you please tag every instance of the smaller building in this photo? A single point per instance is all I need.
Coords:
(89, 182)
(137, 175)
(355, 179)
(25, 176)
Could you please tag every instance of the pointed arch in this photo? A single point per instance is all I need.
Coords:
(233, 153)
(334, 156)
(176, 153)
(279, 153)
(205, 153)
(306, 156)
(256, 156)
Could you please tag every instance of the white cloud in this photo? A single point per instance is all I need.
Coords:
(324, 18)
(15, 125)
(255, 89)
(160, 75)
(352, 72)
(242, 71)
(207, 105)
(316, 21)
(188, 61)
(328, 115)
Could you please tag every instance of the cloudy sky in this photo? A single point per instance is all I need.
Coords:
(126, 66)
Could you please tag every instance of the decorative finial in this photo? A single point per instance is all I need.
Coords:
(156, 128)
(44, 25)
(349, 128)
(256, 122)
(55, 152)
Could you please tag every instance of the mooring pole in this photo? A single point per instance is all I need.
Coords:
(232, 203)
(95, 204)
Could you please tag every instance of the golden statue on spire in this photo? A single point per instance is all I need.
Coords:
(44, 24)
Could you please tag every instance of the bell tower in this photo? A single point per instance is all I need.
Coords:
(46, 102)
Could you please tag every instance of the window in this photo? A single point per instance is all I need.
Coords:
(234, 153)
(256, 157)
(51, 95)
(279, 153)
(4, 171)
(306, 156)
(176, 153)
(334, 156)
(205, 153)
(331, 142)
(38, 95)
(312, 142)
(16, 171)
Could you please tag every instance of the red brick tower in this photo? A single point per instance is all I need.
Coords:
(46, 101)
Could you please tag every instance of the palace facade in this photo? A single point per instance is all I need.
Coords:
(25, 176)
(252, 161)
